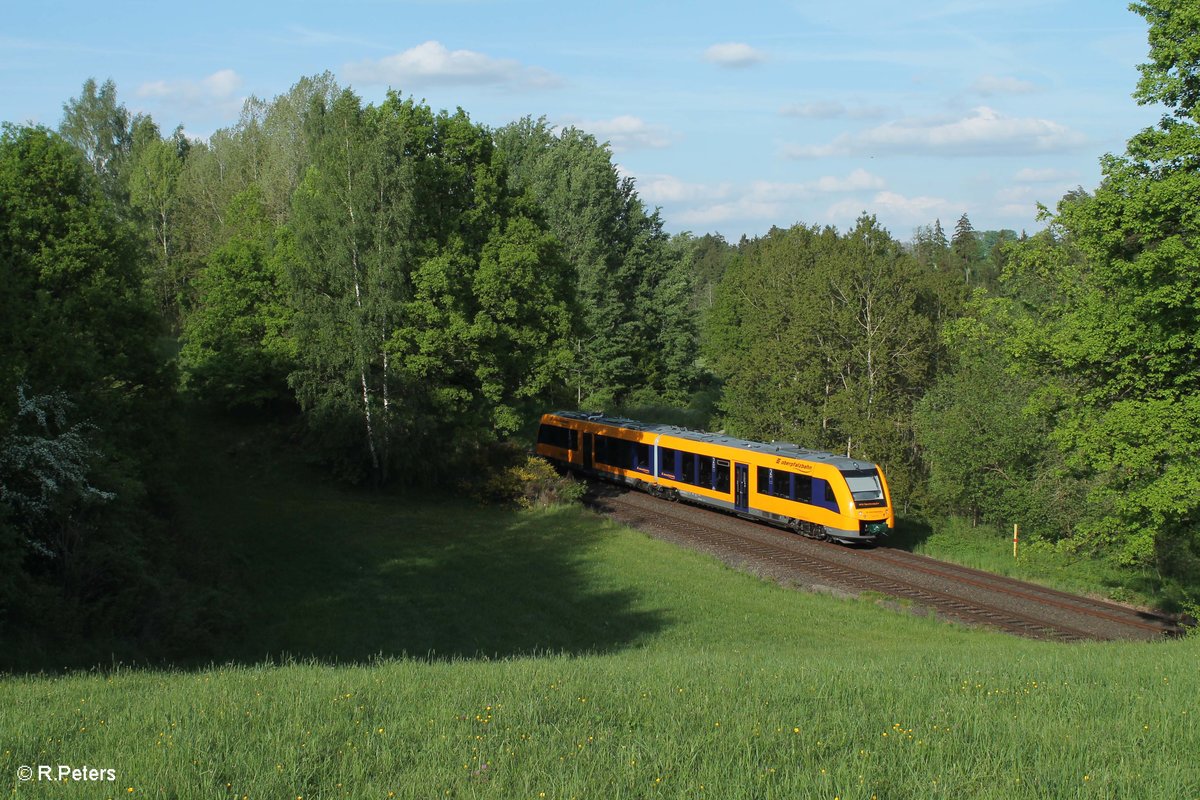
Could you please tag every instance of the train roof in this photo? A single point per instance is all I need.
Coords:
(770, 448)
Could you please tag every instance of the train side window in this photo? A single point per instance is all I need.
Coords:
(722, 484)
(573, 439)
(764, 480)
(706, 471)
(689, 468)
(555, 436)
(604, 451)
(666, 462)
(823, 495)
(783, 484)
(804, 488)
(641, 456)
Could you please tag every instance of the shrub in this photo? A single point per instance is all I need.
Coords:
(532, 482)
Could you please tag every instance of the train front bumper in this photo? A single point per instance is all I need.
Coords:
(868, 531)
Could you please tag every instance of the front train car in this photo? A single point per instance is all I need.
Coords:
(814, 493)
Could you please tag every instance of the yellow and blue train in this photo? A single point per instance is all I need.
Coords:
(816, 494)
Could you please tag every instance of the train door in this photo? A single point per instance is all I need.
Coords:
(741, 487)
(587, 450)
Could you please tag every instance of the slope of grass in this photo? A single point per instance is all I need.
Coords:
(990, 548)
(392, 646)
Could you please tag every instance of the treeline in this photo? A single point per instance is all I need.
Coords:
(413, 288)
(86, 410)
(1050, 381)
(1074, 384)
(401, 274)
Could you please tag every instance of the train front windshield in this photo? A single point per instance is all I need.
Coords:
(864, 484)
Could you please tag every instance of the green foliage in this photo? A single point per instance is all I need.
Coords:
(235, 352)
(532, 482)
(85, 402)
(75, 316)
(822, 339)
(431, 307)
(1122, 266)
(636, 325)
(154, 171)
(443, 647)
(1172, 76)
(100, 128)
(985, 441)
(709, 257)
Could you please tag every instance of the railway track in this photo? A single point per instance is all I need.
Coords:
(957, 593)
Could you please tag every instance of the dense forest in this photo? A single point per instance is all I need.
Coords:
(408, 289)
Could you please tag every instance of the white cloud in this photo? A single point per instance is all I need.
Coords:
(755, 201)
(856, 180)
(222, 84)
(1034, 186)
(894, 207)
(743, 208)
(219, 91)
(734, 54)
(1045, 175)
(658, 188)
(830, 110)
(432, 63)
(984, 131)
(1018, 194)
(988, 85)
(627, 132)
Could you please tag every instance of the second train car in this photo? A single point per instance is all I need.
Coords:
(821, 495)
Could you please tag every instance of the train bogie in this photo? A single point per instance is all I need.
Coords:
(810, 492)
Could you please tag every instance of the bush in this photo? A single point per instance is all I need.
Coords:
(532, 482)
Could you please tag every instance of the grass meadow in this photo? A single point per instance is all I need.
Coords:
(990, 548)
(390, 646)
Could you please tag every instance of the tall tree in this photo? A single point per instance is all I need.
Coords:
(236, 350)
(346, 296)
(821, 338)
(154, 168)
(82, 390)
(100, 128)
(1122, 328)
(965, 249)
(620, 257)
(431, 307)
(984, 442)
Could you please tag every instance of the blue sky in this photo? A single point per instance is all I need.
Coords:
(732, 116)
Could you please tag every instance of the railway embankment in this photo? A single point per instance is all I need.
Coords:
(419, 645)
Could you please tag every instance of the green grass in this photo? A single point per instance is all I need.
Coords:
(990, 548)
(429, 648)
